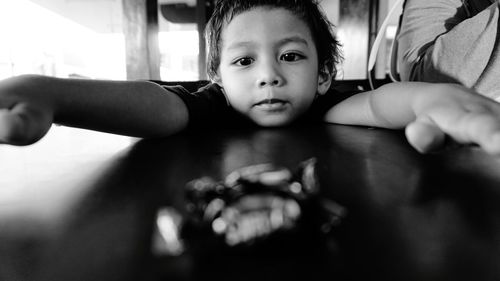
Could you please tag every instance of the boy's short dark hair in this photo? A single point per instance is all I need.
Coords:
(309, 11)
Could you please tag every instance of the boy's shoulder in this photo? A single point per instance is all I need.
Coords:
(190, 86)
(207, 105)
(325, 102)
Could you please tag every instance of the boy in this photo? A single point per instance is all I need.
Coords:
(272, 63)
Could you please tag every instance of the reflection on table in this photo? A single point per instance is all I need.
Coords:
(410, 216)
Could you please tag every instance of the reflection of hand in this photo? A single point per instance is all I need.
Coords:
(22, 121)
(466, 117)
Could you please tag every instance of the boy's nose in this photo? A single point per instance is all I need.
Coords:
(269, 76)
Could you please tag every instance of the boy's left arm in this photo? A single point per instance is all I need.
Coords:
(429, 112)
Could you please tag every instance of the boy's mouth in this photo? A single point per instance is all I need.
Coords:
(271, 105)
(267, 102)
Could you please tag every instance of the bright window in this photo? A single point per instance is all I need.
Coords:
(36, 39)
(47, 37)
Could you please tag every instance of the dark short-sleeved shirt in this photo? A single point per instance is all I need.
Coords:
(208, 108)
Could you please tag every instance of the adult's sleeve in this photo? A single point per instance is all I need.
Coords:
(439, 42)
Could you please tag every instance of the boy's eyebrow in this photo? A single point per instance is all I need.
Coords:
(281, 42)
(241, 44)
(293, 39)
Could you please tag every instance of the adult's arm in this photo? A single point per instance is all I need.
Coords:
(29, 104)
(441, 41)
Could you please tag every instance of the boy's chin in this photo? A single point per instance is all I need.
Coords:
(272, 121)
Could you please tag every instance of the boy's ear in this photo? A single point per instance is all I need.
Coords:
(324, 82)
(217, 80)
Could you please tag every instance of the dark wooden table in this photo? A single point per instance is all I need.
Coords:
(80, 211)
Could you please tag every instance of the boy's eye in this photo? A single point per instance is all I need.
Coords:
(244, 61)
(291, 57)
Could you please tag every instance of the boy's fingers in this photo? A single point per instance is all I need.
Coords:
(482, 129)
(10, 127)
(424, 135)
(492, 145)
(20, 125)
(479, 124)
(15, 128)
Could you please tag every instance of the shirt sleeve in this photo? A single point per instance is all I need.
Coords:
(440, 41)
(205, 107)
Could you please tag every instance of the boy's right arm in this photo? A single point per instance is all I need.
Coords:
(29, 104)
(428, 112)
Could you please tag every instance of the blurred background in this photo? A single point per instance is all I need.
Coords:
(151, 39)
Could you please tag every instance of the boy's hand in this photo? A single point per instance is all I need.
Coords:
(23, 124)
(466, 117)
(22, 121)
(429, 112)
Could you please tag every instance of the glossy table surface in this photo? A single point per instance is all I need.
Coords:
(80, 211)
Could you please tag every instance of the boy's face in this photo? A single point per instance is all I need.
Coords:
(269, 66)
